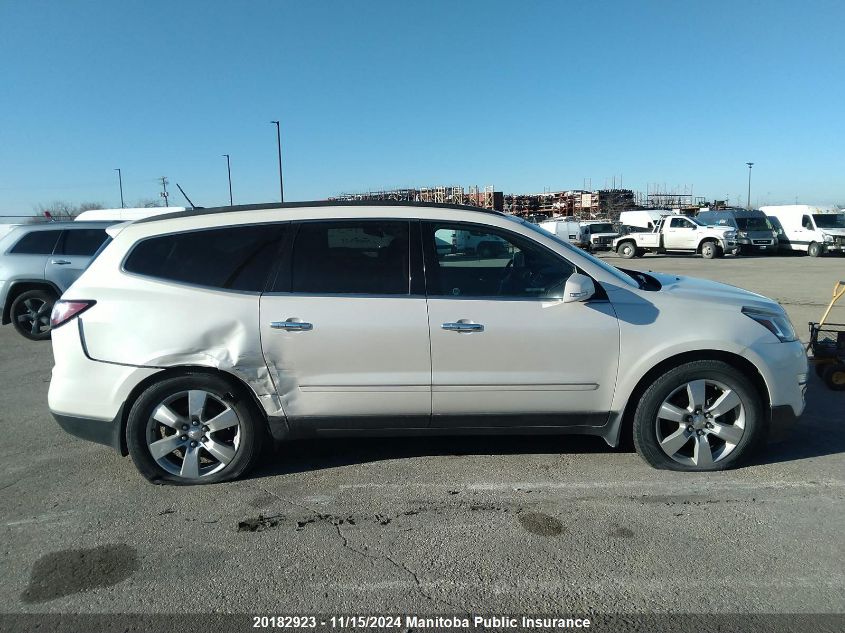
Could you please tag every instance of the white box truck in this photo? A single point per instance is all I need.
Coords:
(809, 229)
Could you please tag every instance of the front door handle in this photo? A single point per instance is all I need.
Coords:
(59, 262)
(291, 324)
(463, 326)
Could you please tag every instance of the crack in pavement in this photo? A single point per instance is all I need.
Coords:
(366, 554)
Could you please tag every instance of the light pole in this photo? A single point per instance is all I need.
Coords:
(279, 145)
(120, 181)
(748, 199)
(229, 170)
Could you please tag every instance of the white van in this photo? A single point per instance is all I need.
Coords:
(809, 229)
(599, 234)
(568, 230)
(125, 215)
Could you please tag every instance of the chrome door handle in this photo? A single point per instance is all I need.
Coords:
(59, 262)
(291, 325)
(463, 326)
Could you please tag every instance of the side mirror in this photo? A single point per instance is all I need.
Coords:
(578, 288)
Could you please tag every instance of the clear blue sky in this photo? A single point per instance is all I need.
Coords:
(522, 95)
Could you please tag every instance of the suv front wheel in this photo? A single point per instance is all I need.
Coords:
(699, 416)
(30, 314)
(193, 429)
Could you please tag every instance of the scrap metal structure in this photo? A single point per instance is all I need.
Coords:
(579, 203)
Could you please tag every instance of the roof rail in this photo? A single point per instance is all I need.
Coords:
(315, 203)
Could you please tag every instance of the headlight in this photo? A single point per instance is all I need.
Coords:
(828, 239)
(776, 322)
(742, 234)
(730, 234)
(774, 233)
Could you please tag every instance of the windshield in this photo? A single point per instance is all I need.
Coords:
(605, 227)
(611, 270)
(830, 220)
(753, 224)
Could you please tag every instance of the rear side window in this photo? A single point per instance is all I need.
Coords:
(234, 258)
(82, 241)
(351, 257)
(37, 243)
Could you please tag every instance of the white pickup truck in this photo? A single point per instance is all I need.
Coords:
(678, 233)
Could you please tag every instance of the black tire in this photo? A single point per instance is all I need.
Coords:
(627, 250)
(646, 418)
(251, 430)
(709, 249)
(834, 376)
(30, 314)
(820, 368)
(814, 249)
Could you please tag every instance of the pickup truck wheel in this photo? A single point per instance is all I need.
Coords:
(814, 249)
(194, 429)
(700, 416)
(709, 250)
(30, 314)
(626, 250)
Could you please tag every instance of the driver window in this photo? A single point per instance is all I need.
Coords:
(679, 223)
(806, 222)
(477, 262)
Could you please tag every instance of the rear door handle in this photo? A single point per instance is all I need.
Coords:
(463, 326)
(59, 262)
(291, 324)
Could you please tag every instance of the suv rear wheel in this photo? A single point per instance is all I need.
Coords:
(193, 429)
(703, 415)
(30, 314)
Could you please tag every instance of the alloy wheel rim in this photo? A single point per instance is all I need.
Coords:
(34, 315)
(193, 434)
(700, 423)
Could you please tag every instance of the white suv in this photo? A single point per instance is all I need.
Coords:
(195, 338)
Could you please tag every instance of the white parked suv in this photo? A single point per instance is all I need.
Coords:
(193, 339)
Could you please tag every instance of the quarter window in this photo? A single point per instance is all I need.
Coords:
(82, 241)
(234, 258)
(351, 257)
(475, 261)
(37, 243)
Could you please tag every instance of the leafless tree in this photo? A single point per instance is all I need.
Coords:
(62, 210)
(148, 203)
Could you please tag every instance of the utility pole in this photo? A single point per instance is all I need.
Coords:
(748, 199)
(229, 169)
(164, 193)
(120, 180)
(279, 145)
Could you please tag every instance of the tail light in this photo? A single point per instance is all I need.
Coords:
(64, 311)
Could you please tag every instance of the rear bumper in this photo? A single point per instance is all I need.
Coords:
(105, 432)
